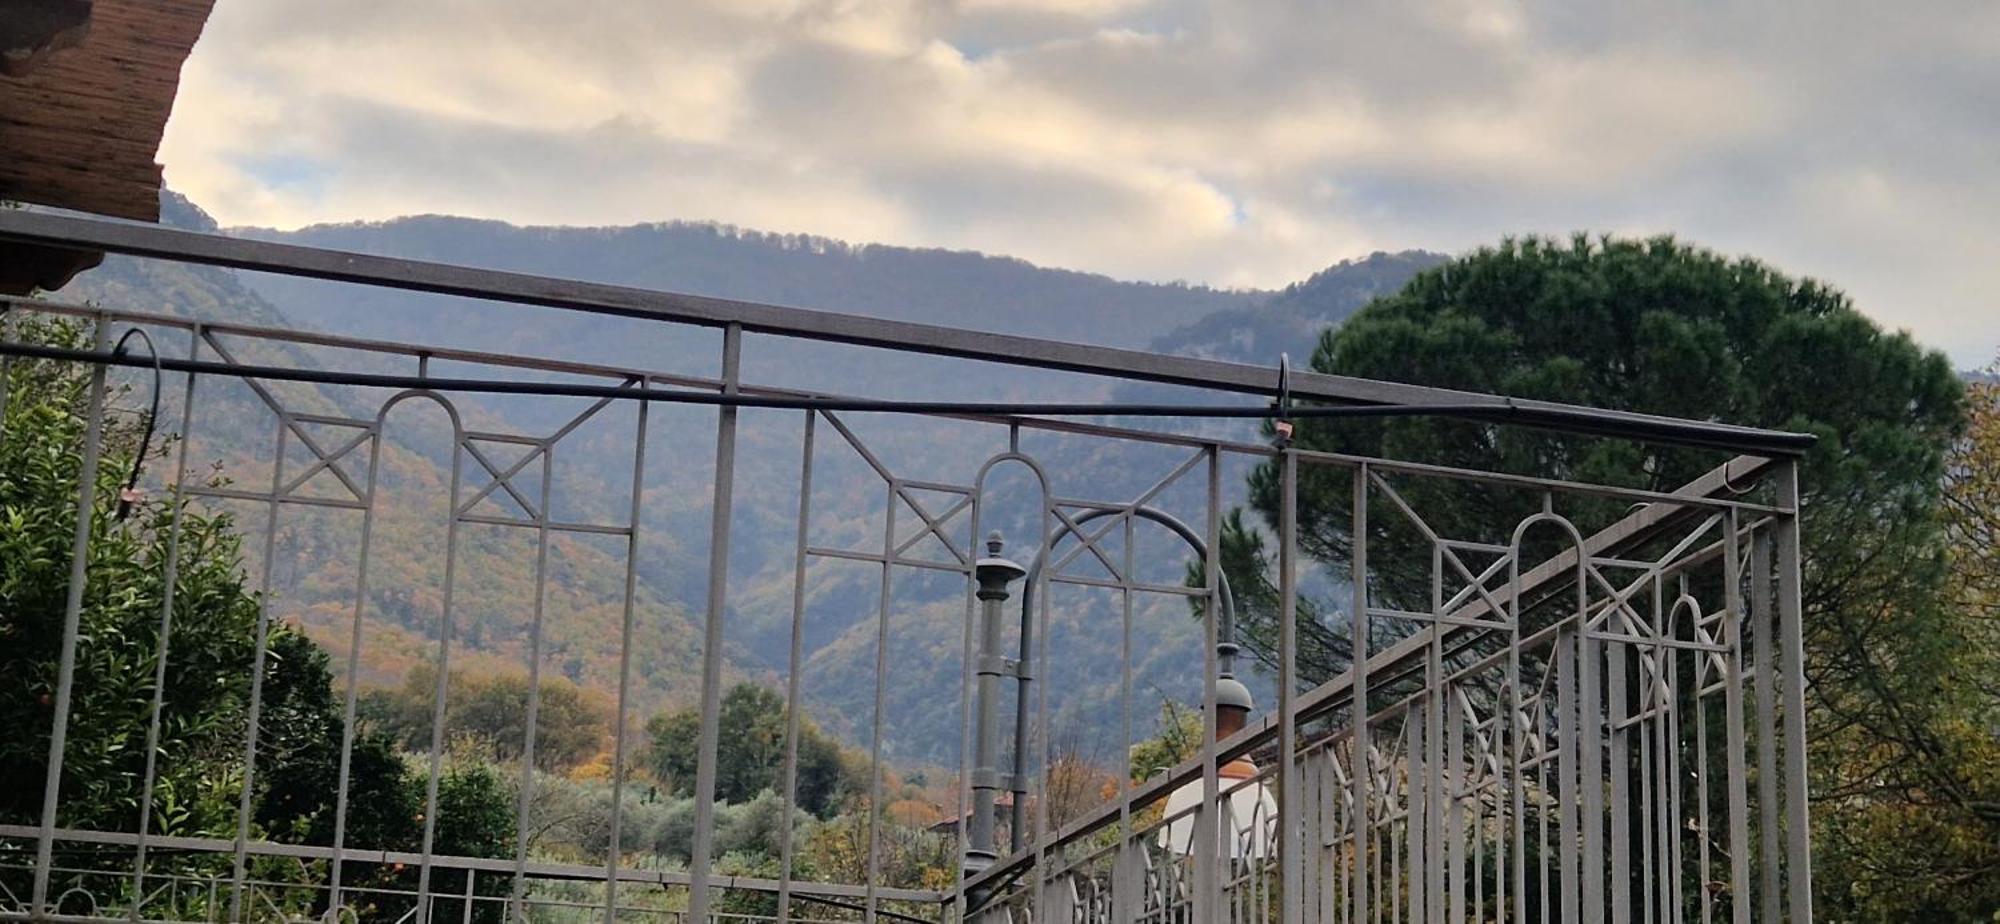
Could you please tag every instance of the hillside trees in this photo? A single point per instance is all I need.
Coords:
(1662, 327)
(211, 652)
(1918, 837)
(750, 757)
(486, 717)
(205, 694)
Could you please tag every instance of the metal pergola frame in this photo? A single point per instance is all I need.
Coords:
(1398, 783)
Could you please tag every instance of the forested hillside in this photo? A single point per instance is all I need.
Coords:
(1292, 320)
(315, 553)
(314, 566)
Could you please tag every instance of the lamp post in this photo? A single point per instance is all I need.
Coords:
(1249, 805)
(993, 574)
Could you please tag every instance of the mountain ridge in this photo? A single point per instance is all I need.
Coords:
(957, 288)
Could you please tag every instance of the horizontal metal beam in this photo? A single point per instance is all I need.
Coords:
(540, 869)
(656, 377)
(152, 241)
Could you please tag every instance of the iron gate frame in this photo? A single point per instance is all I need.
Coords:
(1771, 540)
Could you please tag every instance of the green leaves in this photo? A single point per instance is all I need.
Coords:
(750, 754)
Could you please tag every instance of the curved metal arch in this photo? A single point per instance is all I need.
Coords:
(451, 410)
(1582, 559)
(1225, 629)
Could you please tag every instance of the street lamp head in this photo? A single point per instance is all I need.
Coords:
(995, 572)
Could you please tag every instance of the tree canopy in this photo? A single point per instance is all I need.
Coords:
(750, 756)
(486, 716)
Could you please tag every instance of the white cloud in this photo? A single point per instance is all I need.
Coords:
(1243, 144)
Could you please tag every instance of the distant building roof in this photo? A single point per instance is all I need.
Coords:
(85, 90)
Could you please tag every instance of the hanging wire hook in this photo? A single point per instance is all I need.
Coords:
(1730, 485)
(1282, 407)
(130, 494)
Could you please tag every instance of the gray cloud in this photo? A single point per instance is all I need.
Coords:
(1239, 144)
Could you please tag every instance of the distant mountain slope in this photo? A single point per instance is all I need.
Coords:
(1289, 322)
(954, 288)
(1292, 320)
(957, 289)
(315, 561)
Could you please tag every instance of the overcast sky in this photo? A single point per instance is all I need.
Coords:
(1232, 142)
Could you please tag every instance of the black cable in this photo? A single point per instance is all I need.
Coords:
(780, 402)
(128, 493)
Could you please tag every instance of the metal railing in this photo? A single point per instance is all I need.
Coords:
(1561, 725)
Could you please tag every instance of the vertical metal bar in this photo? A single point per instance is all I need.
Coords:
(1208, 884)
(1438, 798)
(1510, 841)
(796, 656)
(1621, 806)
(1290, 867)
(349, 711)
(1363, 767)
(1791, 635)
(525, 795)
(1703, 820)
(1043, 740)
(245, 798)
(870, 899)
(86, 510)
(1676, 820)
(1737, 773)
(1590, 773)
(169, 579)
(443, 689)
(1125, 866)
(711, 652)
(1311, 801)
(1549, 764)
(1664, 821)
(618, 750)
(1337, 789)
(1569, 768)
(1416, 775)
(1453, 781)
(1028, 668)
(1389, 855)
(1766, 673)
(1649, 783)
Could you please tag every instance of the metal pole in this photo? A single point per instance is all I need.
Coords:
(247, 795)
(440, 694)
(169, 579)
(86, 501)
(516, 909)
(1360, 767)
(793, 661)
(994, 574)
(1791, 638)
(711, 652)
(1290, 806)
(1208, 881)
(631, 589)
(1765, 672)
